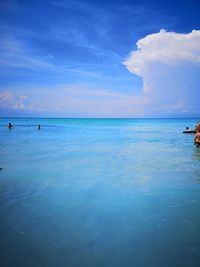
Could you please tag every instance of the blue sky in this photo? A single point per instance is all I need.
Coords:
(77, 58)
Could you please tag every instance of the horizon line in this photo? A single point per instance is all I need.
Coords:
(32, 117)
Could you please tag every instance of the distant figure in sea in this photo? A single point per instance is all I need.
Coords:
(38, 126)
(197, 139)
(10, 126)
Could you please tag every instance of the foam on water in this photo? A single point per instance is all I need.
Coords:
(99, 192)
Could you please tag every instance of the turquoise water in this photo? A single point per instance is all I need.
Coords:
(99, 193)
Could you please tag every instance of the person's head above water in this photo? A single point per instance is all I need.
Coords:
(10, 125)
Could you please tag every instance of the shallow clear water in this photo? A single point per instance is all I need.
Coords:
(99, 192)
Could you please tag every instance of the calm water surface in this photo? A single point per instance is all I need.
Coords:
(99, 193)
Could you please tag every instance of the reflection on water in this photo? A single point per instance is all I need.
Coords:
(196, 154)
(196, 157)
(99, 193)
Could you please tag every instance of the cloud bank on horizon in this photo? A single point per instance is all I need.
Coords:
(169, 64)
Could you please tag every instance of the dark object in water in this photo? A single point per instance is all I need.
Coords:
(187, 130)
(10, 126)
(38, 126)
(1, 168)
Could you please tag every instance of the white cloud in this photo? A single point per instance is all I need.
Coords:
(5, 96)
(16, 103)
(169, 64)
(8, 100)
(164, 47)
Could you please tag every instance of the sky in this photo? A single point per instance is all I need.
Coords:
(108, 58)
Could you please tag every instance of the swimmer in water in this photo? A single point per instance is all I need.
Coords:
(10, 126)
(38, 126)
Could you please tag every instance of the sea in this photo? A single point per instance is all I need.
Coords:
(99, 193)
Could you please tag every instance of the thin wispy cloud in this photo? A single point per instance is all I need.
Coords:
(15, 54)
(70, 100)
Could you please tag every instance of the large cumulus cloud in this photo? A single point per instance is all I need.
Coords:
(169, 64)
